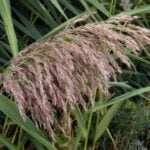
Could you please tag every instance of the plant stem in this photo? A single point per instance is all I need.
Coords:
(112, 139)
(88, 130)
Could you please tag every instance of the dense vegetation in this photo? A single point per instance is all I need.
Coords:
(120, 120)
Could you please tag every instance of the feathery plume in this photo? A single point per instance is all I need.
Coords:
(50, 77)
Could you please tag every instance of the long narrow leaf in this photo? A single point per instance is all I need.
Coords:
(7, 143)
(69, 6)
(141, 10)
(81, 121)
(10, 109)
(122, 98)
(100, 7)
(56, 4)
(6, 15)
(28, 25)
(39, 9)
(106, 120)
(63, 25)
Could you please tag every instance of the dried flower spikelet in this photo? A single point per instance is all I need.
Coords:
(53, 75)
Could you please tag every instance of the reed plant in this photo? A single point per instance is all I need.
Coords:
(73, 86)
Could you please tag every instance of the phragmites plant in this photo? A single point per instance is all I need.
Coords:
(48, 78)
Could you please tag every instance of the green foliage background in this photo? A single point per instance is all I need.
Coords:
(120, 121)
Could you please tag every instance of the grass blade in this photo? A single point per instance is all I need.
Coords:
(122, 98)
(76, 141)
(39, 9)
(27, 25)
(70, 7)
(6, 15)
(10, 109)
(141, 10)
(100, 7)
(56, 4)
(81, 121)
(7, 143)
(106, 120)
(36, 144)
(114, 109)
(60, 27)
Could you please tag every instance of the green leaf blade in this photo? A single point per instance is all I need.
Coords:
(5, 12)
